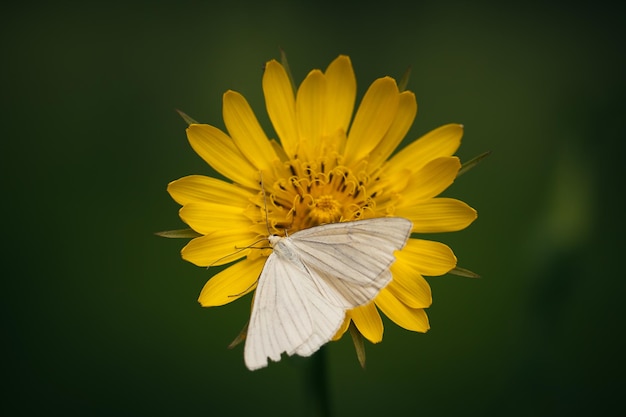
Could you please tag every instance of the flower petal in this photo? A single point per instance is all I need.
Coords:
(344, 326)
(372, 120)
(431, 180)
(426, 257)
(281, 105)
(407, 109)
(443, 141)
(207, 218)
(246, 131)
(414, 319)
(438, 215)
(311, 113)
(218, 248)
(231, 283)
(198, 188)
(341, 94)
(219, 151)
(409, 286)
(368, 321)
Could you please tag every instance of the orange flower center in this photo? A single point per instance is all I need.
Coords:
(325, 209)
(318, 193)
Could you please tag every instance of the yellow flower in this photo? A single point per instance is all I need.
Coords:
(327, 166)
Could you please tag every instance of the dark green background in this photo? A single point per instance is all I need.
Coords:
(100, 316)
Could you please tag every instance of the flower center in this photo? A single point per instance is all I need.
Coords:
(325, 209)
(312, 193)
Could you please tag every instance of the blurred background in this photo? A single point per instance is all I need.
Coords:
(100, 316)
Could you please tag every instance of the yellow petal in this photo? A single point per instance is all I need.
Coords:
(341, 94)
(219, 151)
(231, 283)
(344, 326)
(207, 218)
(430, 181)
(311, 113)
(373, 119)
(438, 215)
(281, 105)
(426, 257)
(198, 188)
(443, 141)
(409, 286)
(246, 131)
(218, 248)
(368, 321)
(407, 109)
(414, 319)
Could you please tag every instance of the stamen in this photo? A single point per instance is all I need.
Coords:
(318, 192)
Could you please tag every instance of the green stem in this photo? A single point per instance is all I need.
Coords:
(316, 385)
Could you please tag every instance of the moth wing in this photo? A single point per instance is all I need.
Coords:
(352, 258)
(289, 314)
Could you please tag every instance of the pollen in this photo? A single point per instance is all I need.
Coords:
(325, 209)
(320, 192)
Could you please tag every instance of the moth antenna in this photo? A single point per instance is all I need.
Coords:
(237, 250)
(246, 290)
(267, 222)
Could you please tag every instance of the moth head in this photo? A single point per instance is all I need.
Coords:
(273, 239)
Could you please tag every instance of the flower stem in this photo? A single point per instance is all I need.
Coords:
(316, 385)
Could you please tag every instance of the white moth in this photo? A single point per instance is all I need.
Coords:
(312, 277)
